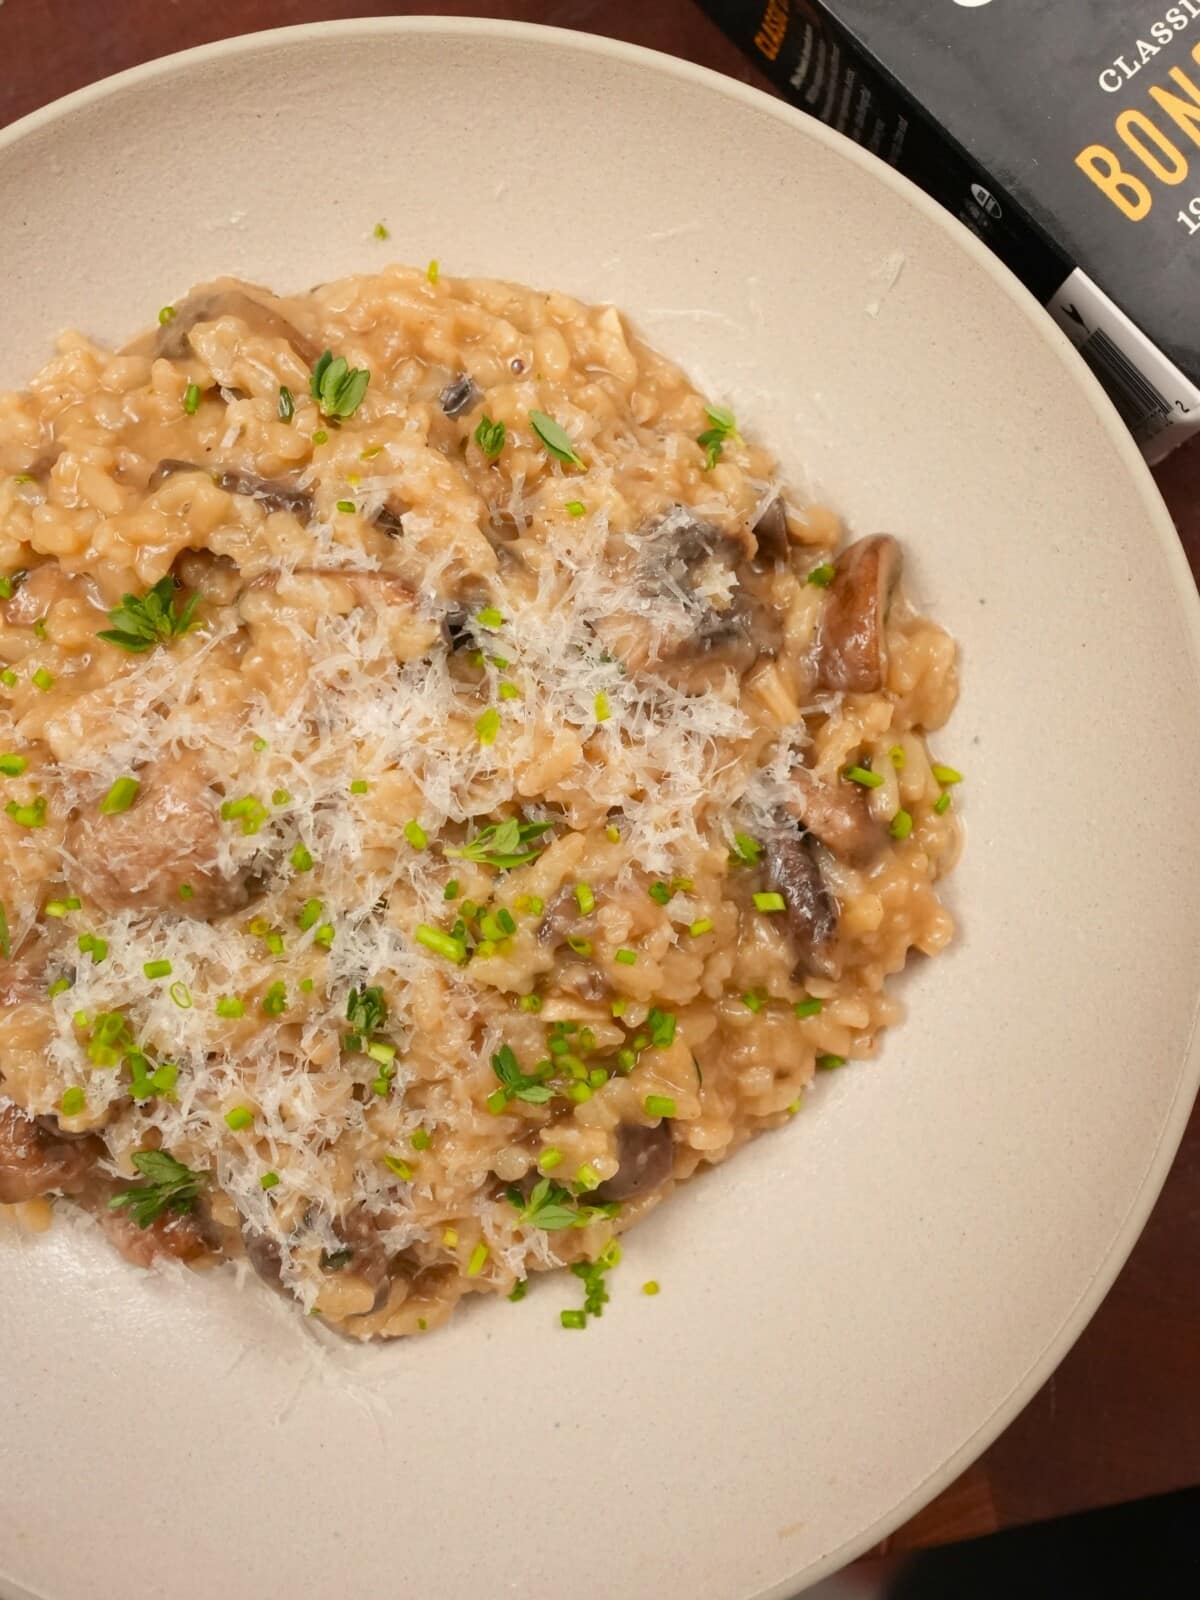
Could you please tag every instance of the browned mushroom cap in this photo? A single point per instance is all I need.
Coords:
(170, 1237)
(839, 817)
(34, 1162)
(363, 1257)
(852, 645)
(271, 493)
(459, 395)
(646, 1156)
(264, 1255)
(138, 860)
(256, 307)
(812, 914)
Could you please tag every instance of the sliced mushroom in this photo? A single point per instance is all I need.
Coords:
(812, 914)
(771, 532)
(852, 642)
(271, 493)
(34, 1162)
(257, 308)
(646, 1157)
(839, 817)
(173, 1236)
(138, 860)
(264, 1255)
(459, 395)
(389, 521)
(363, 1258)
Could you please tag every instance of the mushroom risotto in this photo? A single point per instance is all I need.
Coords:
(451, 792)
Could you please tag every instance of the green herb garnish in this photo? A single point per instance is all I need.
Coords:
(337, 387)
(141, 622)
(120, 797)
(502, 844)
(555, 438)
(821, 577)
(169, 1186)
(490, 436)
(713, 439)
(515, 1084)
(745, 852)
(287, 403)
(548, 1206)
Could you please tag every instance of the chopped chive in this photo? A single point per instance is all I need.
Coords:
(320, 437)
(157, 969)
(59, 908)
(324, 935)
(530, 905)
(450, 1238)
(191, 399)
(359, 786)
(619, 1007)
(346, 507)
(186, 891)
(399, 1166)
(450, 892)
(626, 958)
(8, 678)
(382, 1051)
(863, 776)
(576, 508)
(248, 810)
(585, 899)
(478, 1256)
(650, 1287)
(420, 1139)
(821, 577)
(518, 1291)
(167, 314)
(530, 1002)
(380, 231)
(39, 627)
(946, 776)
(588, 1178)
(659, 1105)
(13, 766)
(59, 986)
(416, 835)
(754, 1000)
(274, 1002)
(549, 1159)
(42, 680)
(239, 1117)
(659, 893)
(229, 1006)
(770, 901)
(508, 691)
(828, 1063)
(487, 726)
(581, 947)
(432, 271)
(810, 1007)
(745, 852)
(91, 945)
(442, 944)
(181, 995)
(573, 1319)
(579, 1092)
(301, 858)
(287, 403)
(703, 925)
(897, 757)
(612, 833)
(274, 942)
(489, 618)
(901, 825)
(73, 1102)
(120, 797)
(942, 804)
(602, 708)
(269, 1180)
(306, 986)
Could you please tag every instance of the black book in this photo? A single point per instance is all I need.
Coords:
(1065, 133)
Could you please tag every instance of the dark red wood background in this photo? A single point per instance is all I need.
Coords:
(1121, 1417)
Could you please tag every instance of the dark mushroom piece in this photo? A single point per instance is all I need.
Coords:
(839, 817)
(172, 1236)
(459, 395)
(389, 521)
(363, 1256)
(229, 298)
(852, 640)
(812, 913)
(264, 1255)
(645, 1156)
(771, 532)
(271, 493)
(169, 839)
(34, 1162)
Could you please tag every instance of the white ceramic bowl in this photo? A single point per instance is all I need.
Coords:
(855, 1306)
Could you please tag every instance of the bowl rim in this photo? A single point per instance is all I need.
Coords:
(1076, 370)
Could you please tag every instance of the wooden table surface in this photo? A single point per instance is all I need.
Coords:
(1121, 1417)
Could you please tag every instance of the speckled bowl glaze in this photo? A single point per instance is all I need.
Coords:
(854, 1306)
